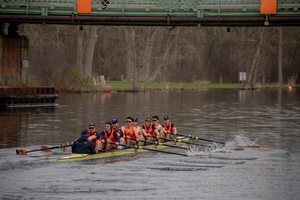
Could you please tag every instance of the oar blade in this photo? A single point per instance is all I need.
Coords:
(21, 152)
(237, 149)
(45, 148)
(255, 146)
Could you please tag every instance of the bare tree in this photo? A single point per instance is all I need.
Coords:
(130, 35)
(80, 49)
(280, 56)
(164, 53)
(253, 72)
(89, 52)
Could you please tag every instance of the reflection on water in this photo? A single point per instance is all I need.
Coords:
(270, 172)
(217, 114)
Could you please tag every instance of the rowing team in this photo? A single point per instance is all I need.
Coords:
(131, 133)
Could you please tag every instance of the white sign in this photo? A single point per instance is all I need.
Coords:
(242, 76)
(25, 63)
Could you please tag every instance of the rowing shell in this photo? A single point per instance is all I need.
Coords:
(117, 152)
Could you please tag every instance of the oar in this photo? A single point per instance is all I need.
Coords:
(163, 144)
(177, 140)
(198, 138)
(24, 152)
(141, 147)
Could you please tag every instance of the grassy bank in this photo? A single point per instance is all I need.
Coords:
(127, 86)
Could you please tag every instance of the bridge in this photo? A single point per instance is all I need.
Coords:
(153, 12)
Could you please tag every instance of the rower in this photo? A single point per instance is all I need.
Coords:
(131, 133)
(149, 130)
(155, 121)
(117, 129)
(109, 138)
(135, 124)
(94, 137)
(169, 129)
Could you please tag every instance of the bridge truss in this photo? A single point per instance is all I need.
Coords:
(151, 12)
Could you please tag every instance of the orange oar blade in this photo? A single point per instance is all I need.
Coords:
(21, 151)
(237, 149)
(45, 149)
(255, 146)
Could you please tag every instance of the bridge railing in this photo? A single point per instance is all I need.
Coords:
(69, 6)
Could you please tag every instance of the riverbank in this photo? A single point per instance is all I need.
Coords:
(125, 86)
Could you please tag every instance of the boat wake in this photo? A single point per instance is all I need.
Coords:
(197, 150)
(214, 148)
(239, 142)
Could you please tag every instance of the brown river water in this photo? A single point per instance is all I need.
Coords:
(271, 118)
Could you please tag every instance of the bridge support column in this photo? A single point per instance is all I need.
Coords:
(14, 61)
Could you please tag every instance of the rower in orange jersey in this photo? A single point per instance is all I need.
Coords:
(149, 130)
(117, 129)
(130, 132)
(94, 137)
(135, 124)
(109, 138)
(155, 121)
(169, 129)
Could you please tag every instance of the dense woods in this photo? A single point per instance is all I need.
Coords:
(67, 56)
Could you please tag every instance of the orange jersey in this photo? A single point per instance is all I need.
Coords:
(157, 124)
(129, 132)
(94, 140)
(150, 129)
(111, 136)
(169, 128)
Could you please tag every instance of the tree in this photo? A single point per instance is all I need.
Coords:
(160, 53)
(89, 52)
(280, 56)
(250, 83)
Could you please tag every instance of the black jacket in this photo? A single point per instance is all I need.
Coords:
(83, 145)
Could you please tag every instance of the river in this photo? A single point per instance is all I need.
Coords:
(271, 118)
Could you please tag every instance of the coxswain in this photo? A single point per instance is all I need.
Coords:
(83, 145)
